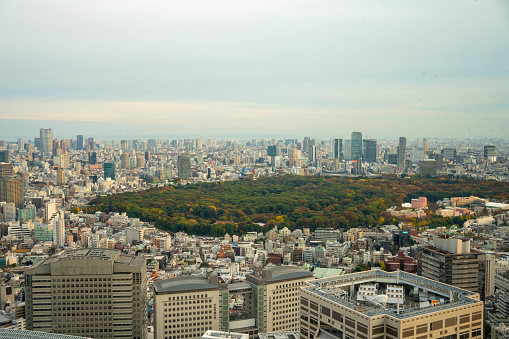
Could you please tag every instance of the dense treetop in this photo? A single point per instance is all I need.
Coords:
(291, 201)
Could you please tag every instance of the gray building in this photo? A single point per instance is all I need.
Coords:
(428, 167)
(95, 293)
(184, 166)
(369, 152)
(402, 152)
(451, 261)
(46, 136)
(356, 151)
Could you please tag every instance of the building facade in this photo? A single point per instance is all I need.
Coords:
(94, 293)
(382, 305)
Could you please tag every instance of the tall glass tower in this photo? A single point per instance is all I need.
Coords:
(46, 135)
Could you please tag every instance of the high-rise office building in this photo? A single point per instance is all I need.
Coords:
(451, 261)
(402, 152)
(425, 146)
(194, 305)
(58, 223)
(490, 153)
(356, 150)
(293, 157)
(5, 156)
(428, 167)
(124, 160)
(312, 154)
(46, 137)
(338, 149)
(305, 144)
(109, 170)
(92, 158)
(60, 177)
(95, 293)
(11, 185)
(369, 150)
(449, 153)
(184, 167)
(377, 304)
(79, 142)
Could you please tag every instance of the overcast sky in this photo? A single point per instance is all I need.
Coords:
(424, 68)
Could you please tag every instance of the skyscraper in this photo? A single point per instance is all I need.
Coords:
(46, 136)
(109, 170)
(5, 156)
(402, 152)
(490, 153)
(184, 166)
(425, 146)
(11, 185)
(369, 150)
(79, 142)
(356, 146)
(312, 154)
(92, 158)
(60, 177)
(305, 144)
(124, 160)
(96, 293)
(338, 148)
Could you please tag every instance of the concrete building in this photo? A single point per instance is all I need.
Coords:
(11, 185)
(428, 167)
(266, 302)
(184, 167)
(451, 261)
(95, 293)
(23, 334)
(124, 160)
(331, 308)
(401, 162)
(356, 146)
(369, 153)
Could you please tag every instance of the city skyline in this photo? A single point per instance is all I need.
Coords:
(261, 68)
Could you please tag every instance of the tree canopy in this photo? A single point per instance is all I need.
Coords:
(287, 201)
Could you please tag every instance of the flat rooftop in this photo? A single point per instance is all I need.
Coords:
(22, 334)
(181, 284)
(339, 290)
(94, 254)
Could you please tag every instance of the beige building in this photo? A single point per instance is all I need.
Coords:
(95, 293)
(268, 301)
(331, 308)
(186, 307)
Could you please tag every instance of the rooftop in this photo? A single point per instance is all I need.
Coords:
(93, 254)
(21, 334)
(180, 284)
(336, 290)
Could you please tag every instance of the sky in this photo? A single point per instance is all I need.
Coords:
(424, 68)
